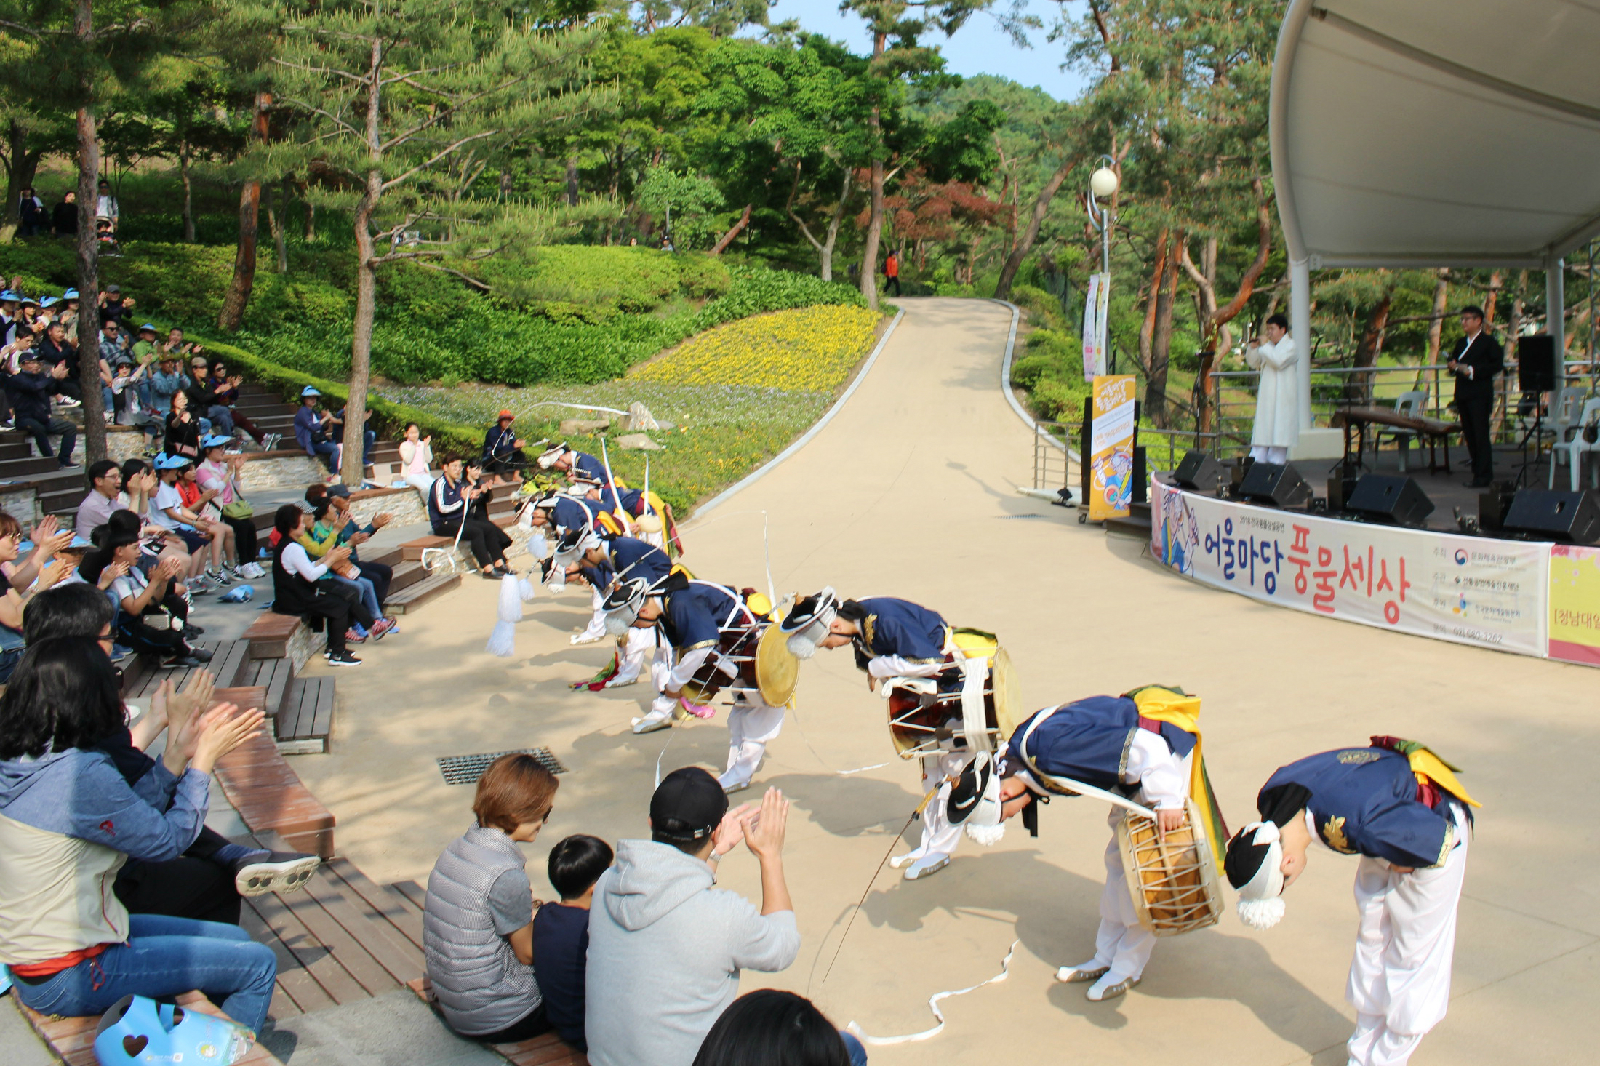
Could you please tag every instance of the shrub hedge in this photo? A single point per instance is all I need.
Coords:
(1051, 372)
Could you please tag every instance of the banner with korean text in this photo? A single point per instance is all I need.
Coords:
(1111, 447)
(1471, 590)
(1575, 604)
(1096, 306)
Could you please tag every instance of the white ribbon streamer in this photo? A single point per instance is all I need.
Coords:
(933, 1005)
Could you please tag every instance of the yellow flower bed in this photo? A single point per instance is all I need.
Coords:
(809, 349)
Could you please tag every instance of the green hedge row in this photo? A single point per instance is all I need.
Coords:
(1050, 370)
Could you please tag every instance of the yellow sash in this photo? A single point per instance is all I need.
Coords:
(1429, 767)
(1164, 705)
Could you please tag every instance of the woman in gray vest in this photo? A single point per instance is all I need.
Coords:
(477, 922)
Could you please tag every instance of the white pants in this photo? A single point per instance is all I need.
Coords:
(597, 621)
(1263, 454)
(939, 837)
(1400, 975)
(632, 650)
(422, 483)
(752, 724)
(1121, 943)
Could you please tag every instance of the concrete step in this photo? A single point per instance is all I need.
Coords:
(409, 599)
(11, 469)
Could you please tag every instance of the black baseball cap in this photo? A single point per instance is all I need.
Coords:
(688, 805)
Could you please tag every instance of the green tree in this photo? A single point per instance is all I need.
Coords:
(404, 105)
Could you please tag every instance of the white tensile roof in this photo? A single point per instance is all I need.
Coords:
(1423, 133)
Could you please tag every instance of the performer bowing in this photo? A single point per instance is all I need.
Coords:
(1143, 745)
(910, 653)
(573, 463)
(1398, 806)
(712, 631)
(603, 564)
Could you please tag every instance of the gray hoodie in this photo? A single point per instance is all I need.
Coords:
(665, 951)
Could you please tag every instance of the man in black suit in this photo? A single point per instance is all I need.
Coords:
(1475, 360)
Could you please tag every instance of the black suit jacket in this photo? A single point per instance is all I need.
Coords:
(1486, 359)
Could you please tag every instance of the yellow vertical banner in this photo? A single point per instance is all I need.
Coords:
(1111, 447)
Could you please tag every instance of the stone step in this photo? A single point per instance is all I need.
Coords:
(414, 596)
(21, 468)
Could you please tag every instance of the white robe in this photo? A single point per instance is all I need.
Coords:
(1278, 397)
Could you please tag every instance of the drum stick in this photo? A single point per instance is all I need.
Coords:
(862, 902)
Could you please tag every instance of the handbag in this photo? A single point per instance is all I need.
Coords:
(1591, 433)
(238, 509)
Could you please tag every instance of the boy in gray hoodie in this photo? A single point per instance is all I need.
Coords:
(665, 946)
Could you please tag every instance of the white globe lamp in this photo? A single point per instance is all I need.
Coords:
(1103, 183)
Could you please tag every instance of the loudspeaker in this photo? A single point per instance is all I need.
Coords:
(1571, 516)
(1493, 506)
(1200, 472)
(1536, 363)
(1390, 499)
(1280, 486)
(1141, 476)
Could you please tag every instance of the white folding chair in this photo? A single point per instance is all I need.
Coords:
(1564, 425)
(1411, 404)
(1577, 447)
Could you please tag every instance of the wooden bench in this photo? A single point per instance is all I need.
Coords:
(269, 795)
(411, 551)
(341, 939)
(306, 717)
(546, 1050)
(269, 634)
(417, 592)
(72, 1039)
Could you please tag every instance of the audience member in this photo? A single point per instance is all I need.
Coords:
(154, 614)
(129, 407)
(369, 436)
(208, 879)
(311, 431)
(183, 430)
(225, 393)
(477, 919)
(298, 589)
(320, 536)
(665, 945)
(105, 485)
(355, 534)
(416, 459)
(561, 932)
(70, 815)
(461, 505)
(64, 216)
(57, 349)
(30, 390)
(107, 208)
(166, 511)
(502, 450)
(773, 1028)
(220, 475)
(114, 347)
(167, 381)
(31, 216)
(200, 509)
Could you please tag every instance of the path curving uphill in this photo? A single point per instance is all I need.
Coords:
(910, 491)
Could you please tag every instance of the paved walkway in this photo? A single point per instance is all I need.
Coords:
(911, 492)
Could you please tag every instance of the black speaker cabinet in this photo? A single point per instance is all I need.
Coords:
(1387, 498)
(1493, 506)
(1570, 516)
(1536, 363)
(1200, 472)
(1280, 486)
(1141, 476)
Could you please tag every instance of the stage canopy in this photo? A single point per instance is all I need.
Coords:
(1437, 132)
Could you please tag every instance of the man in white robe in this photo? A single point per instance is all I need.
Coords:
(1278, 394)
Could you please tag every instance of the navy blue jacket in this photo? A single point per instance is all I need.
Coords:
(1364, 802)
(1088, 740)
(695, 614)
(898, 627)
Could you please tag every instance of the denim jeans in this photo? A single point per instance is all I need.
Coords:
(369, 595)
(222, 418)
(165, 957)
(858, 1054)
(325, 450)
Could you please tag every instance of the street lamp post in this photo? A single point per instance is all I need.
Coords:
(1103, 185)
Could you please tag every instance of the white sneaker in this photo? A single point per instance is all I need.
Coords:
(584, 638)
(907, 859)
(737, 786)
(1107, 988)
(1081, 973)
(650, 723)
(928, 864)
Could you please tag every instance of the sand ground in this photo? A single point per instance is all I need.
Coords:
(910, 491)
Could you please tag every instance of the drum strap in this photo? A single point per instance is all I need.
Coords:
(1066, 786)
(973, 720)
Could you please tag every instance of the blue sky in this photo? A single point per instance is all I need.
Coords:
(980, 47)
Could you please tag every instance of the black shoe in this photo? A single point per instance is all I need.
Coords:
(342, 658)
(490, 574)
(185, 662)
(193, 630)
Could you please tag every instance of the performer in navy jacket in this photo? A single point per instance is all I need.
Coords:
(1398, 806)
(895, 638)
(695, 618)
(603, 565)
(574, 464)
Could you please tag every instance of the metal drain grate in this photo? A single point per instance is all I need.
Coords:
(466, 769)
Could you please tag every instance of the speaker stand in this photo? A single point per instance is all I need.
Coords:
(1535, 434)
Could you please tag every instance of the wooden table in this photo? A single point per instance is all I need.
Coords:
(1432, 430)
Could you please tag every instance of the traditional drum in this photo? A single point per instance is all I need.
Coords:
(1173, 878)
(972, 703)
(737, 654)
(777, 668)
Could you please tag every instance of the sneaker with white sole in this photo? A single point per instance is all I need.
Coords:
(342, 658)
(925, 866)
(1081, 973)
(275, 871)
(1106, 988)
(651, 722)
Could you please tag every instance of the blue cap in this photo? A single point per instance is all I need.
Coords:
(49, 301)
(147, 326)
(309, 391)
(171, 462)
(9, 297)
(215, 440)
(70, 294)
(30, 300)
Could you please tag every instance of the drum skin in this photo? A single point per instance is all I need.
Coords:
(777, 668)
(1173, 879)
